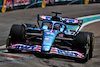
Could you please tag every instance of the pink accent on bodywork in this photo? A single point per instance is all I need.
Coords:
(76, 21)
(80, 54)
(38, 48)
(27, 40)
(13, 46)
(43, 17)
(53, 50)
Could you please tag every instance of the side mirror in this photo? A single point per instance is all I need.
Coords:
(80, 22)
(45, 27)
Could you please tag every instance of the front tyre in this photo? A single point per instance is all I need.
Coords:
(82, 41)
(17, 35)
(86, 58)
(91, 44)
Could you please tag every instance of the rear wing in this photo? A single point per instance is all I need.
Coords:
(43, 17)
(64, 20)
(72, 21)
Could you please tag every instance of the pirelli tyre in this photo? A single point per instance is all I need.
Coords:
(91, 44)
(82, 41)
(17, 35)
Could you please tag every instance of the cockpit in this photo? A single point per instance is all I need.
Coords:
(53, 26)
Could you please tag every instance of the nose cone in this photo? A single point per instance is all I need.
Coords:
(48, 40)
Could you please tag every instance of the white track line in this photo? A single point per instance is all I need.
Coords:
(90, 22)
(87, 23)
(88, 16)
(15, 56)
(3, 46)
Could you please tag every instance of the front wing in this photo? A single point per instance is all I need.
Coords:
(53, 50)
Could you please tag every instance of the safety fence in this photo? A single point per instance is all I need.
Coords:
(17, 4)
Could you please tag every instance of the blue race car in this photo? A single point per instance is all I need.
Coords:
(52, 36)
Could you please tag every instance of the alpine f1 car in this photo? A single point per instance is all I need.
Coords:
(52, 36)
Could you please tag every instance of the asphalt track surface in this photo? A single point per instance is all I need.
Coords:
(29, 16)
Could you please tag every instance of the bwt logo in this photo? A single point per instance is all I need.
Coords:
(67, 52)
(24, 47)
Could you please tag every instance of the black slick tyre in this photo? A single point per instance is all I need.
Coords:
(17, 35)
(91, 45)
(82, 44)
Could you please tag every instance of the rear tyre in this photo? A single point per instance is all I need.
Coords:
(82, 45)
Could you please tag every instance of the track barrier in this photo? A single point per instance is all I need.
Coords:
(19, 4)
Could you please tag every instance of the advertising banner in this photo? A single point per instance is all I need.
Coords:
(62, 0)
(21, 2)
(9, 3)
(46, 1)
(52, 1)
(6, 4)
(15, 4)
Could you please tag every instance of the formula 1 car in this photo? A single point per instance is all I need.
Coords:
(52, 37)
